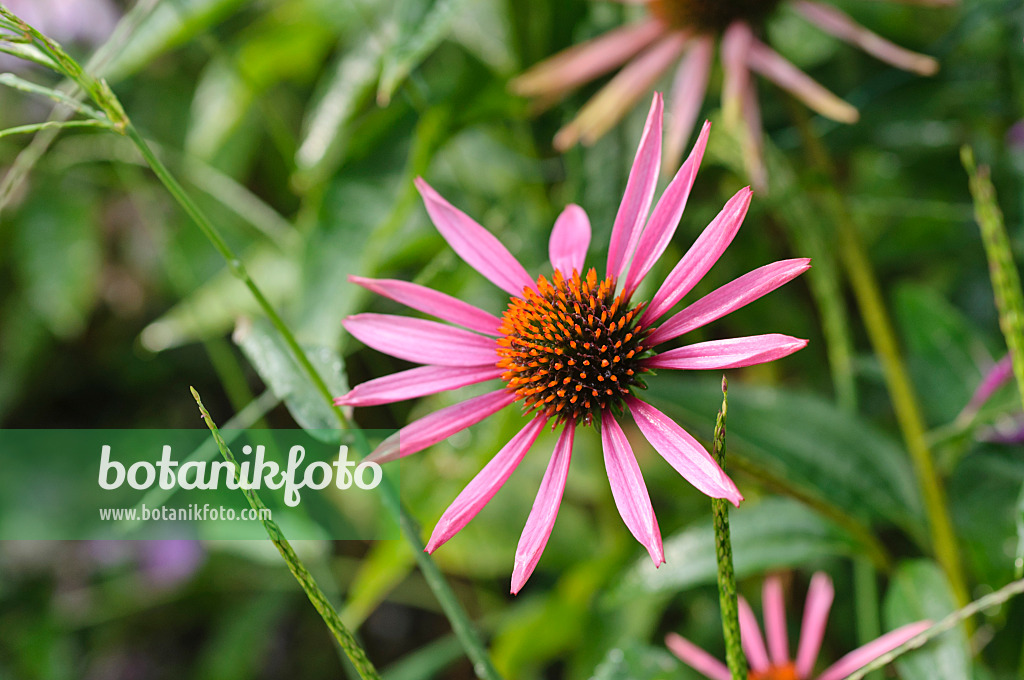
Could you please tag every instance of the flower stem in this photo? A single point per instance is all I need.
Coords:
(723, 552)
(882, 336)
(323, 606)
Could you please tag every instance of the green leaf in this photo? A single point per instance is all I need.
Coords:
(772, 534)
(385, 566)
(803, 439)
(326, 129)
(58, 258)
(920, 591)
(274, 362)
(422, 26)
(13, 81)
(637, 661)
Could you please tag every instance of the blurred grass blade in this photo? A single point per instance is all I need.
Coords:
(384, 566)
(1018, 563)
(426, 662)
(1003, 271)
(55, 124)
(13, 81)
(422, 26)
(323, 606)
(327, 126)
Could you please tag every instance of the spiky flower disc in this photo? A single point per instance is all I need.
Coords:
(710, 16)
(572, 347)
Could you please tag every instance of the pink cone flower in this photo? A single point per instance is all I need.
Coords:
(773, 662)
(681, 34)
(571, 348)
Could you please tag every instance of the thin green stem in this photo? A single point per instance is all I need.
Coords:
(880, 331)
(323, 606)
(723, 552)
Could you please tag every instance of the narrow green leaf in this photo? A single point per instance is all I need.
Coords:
(55, 124)
(385, 566)
(772, 534)
(274, 362)
(13, 81)
(920, 591)
(422, 26)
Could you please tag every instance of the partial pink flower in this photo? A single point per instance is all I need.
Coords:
(571, 348)
(772, 661)
(681, 34)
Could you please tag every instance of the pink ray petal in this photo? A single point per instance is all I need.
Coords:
(750, 636)
(774, 606)
(545, 509)
(570, 239)
(753, 141)
(997, 376)
(688, 89)
(422, 341)
(582, 63)
(432, 302)
(696, 658)
(812, 630)
(701, 256)
(729, 298)
(618, 96)
(628, 488)
(864, 655)
(667, 213)
(683, 452)
(636, 201)
(730, 353)
(416, 382)
(486, 483)
(838, 23)
(777, 69)
(478, 247)
(439, 425)
(736, 42)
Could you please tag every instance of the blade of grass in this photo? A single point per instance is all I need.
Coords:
(323, 606)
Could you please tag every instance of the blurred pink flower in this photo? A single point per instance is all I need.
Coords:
(682, 34)
(571, 348)
(773, 662)
(89, 21)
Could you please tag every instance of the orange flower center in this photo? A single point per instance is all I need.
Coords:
(572, 347)
(710, 16)
(786, 672)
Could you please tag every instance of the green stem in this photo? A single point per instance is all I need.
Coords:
(723, 552)
(323, 606)
(880, 331)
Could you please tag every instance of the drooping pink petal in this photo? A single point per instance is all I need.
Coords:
(750, 636)
(775, 620)
(812, 630)
(422, 341)
(643, 180)
(777, 69)
(478, 247)
(997, 376)
(432, 302)
(729, 298)
(838, 23)
(628, 488)
(736, 42)
(570, 239)
(667, 213)
(683, 452)
(582, 63)
(701, 256)
(416, 382)
(730, 353)
(486, 483)
(864, 655)
(618, 96)
(688, 89)
(696, 658)
(439, 425)
(753, 140)
(545, 509)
